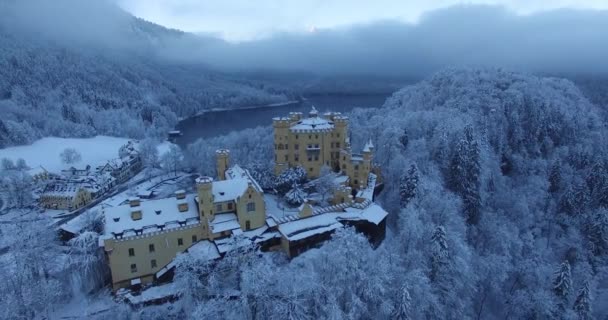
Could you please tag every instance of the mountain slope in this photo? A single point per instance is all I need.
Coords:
(70, 85)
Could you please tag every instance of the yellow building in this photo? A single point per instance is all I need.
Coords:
(69, 196)
(142, 238)
(316, 141)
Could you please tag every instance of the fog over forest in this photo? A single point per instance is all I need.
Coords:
(558, 41)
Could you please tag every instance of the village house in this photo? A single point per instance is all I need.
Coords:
(65, 196)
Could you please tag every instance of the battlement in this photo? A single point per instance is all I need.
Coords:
(204, 180)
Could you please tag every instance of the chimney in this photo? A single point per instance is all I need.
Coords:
(222, 158)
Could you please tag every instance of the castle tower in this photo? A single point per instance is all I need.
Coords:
(368, 153)
(204, 188)
(281, 143)
(223, 160)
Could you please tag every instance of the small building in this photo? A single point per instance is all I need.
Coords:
(65, 196)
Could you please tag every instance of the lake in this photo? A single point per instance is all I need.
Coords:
(215, 123)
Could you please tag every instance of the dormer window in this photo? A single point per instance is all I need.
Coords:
(116, 219)
(158, 211)
(222, 193)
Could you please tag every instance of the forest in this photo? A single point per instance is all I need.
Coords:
(496, 186)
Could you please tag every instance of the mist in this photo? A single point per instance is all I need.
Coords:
(559, 41)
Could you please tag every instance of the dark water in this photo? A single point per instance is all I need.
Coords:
(215, 123)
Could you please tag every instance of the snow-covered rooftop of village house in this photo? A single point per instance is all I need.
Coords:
(161, 212)
(224, 222)
(62, 190)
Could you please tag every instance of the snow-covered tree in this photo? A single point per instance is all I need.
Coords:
(464, 174)
(288, 177)
(404, 305)
(70, 156)
(439, 251)
(324, 184)
(555, 177)
(171, 160)
(408, 185)
(296, 195)
(562, 281)
(582, 303)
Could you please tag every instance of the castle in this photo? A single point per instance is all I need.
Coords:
(142, 238)
(316, 141)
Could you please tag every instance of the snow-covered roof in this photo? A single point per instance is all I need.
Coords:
(204, 250)
(227, 190)
(368, 146)
(312, 124)
(368, 192)
(304, 228)
(236, 172)
(373, 213)
(62, 190)
(161, 212)
(224, 222)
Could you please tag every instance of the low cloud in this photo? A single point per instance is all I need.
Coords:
(560, 41)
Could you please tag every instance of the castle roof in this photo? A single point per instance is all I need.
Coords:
(161, 212)
(313, 124)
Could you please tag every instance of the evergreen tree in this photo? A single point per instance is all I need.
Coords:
(582, 304)
(402, 312)
(562, 281)
(296, 195)
(597, 184)
(464, 175)
(598, 232)
(408, 185)
(440, 253)
(404, 139)
(555, 178)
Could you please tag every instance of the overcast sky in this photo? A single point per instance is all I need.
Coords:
(238, 20)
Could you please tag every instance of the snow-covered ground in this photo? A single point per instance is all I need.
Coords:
(45, 152)
(94, 151)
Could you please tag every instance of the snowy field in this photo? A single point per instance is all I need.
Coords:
(45, 152)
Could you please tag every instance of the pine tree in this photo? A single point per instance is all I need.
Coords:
(597, 184)
(404, 139)
(295, 196)
(408, 185)
(582, 304)
(562, 281)
(402, 312)
(464, 175)
(440, 253)
(598, 232)
(555, 178)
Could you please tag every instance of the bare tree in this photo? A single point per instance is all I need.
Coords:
(70, 156)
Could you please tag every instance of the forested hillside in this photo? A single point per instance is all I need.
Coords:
(91, 83)
(496, 183)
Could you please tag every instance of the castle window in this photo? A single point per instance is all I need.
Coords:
(356, 167)
(247, 225)
(296, 157)
(296, 146)
(356, 181)
(309, 158)
(316, 136)
(250, 206)
(131, 252)
(218, 207)
(194, 239)
(337, 144)
(180, 241)
(151, 247)
(230, 206)
(296, 136)
(286, 146)
(316, 158)
(133, 268)
(286, 157)
(310, 169)
(280, 146)
(309, 136)
(153, 263)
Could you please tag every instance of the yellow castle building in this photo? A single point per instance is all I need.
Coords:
(142, 238)
(317, 141)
